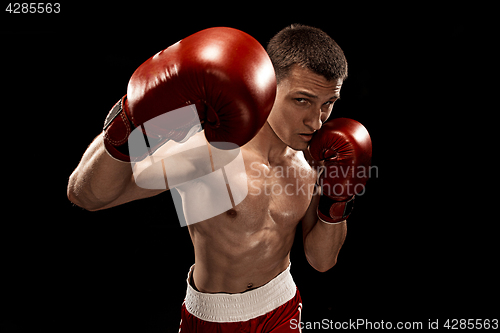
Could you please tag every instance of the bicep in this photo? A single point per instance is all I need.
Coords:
(174, 164)
(165, 172)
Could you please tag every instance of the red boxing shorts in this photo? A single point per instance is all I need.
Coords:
(268, 308)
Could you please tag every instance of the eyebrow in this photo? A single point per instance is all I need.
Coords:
(305, 93)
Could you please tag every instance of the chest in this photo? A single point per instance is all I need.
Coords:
(255, 195)
(282, 192)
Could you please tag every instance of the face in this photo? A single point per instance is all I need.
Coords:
(304, 101)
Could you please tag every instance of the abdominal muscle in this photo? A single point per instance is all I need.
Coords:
(231, 261)
(242, 248)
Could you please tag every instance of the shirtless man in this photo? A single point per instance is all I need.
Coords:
(241, 278)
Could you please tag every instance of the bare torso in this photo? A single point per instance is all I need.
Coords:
(247, 246)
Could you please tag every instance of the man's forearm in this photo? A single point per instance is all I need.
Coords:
(99, 179)
(322, 244)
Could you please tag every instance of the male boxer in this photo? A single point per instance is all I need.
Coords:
(241, 277)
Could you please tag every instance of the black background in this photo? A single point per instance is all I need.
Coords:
(414, 250)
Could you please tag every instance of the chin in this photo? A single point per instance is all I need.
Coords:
(299, 145)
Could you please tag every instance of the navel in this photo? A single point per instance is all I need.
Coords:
(232, 213)
(250, 285)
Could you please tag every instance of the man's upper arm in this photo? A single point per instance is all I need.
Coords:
(133, 192)
(174, 164)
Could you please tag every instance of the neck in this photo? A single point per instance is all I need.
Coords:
(268, 145)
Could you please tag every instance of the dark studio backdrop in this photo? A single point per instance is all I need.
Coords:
(406, 256)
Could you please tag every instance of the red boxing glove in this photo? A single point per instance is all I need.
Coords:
(221, 77)
(346, 149)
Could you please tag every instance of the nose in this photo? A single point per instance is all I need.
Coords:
(314, 121)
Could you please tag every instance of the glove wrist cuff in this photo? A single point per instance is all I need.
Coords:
(116, 131)
(331, 211)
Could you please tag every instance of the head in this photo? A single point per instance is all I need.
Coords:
(310, 69)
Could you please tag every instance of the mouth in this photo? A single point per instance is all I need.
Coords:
(306, 136)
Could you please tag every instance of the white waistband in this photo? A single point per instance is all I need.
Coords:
(240, 307)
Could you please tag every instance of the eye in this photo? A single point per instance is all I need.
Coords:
(329, 104)
(301, 101)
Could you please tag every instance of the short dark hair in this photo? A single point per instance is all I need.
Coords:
(307, 47)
